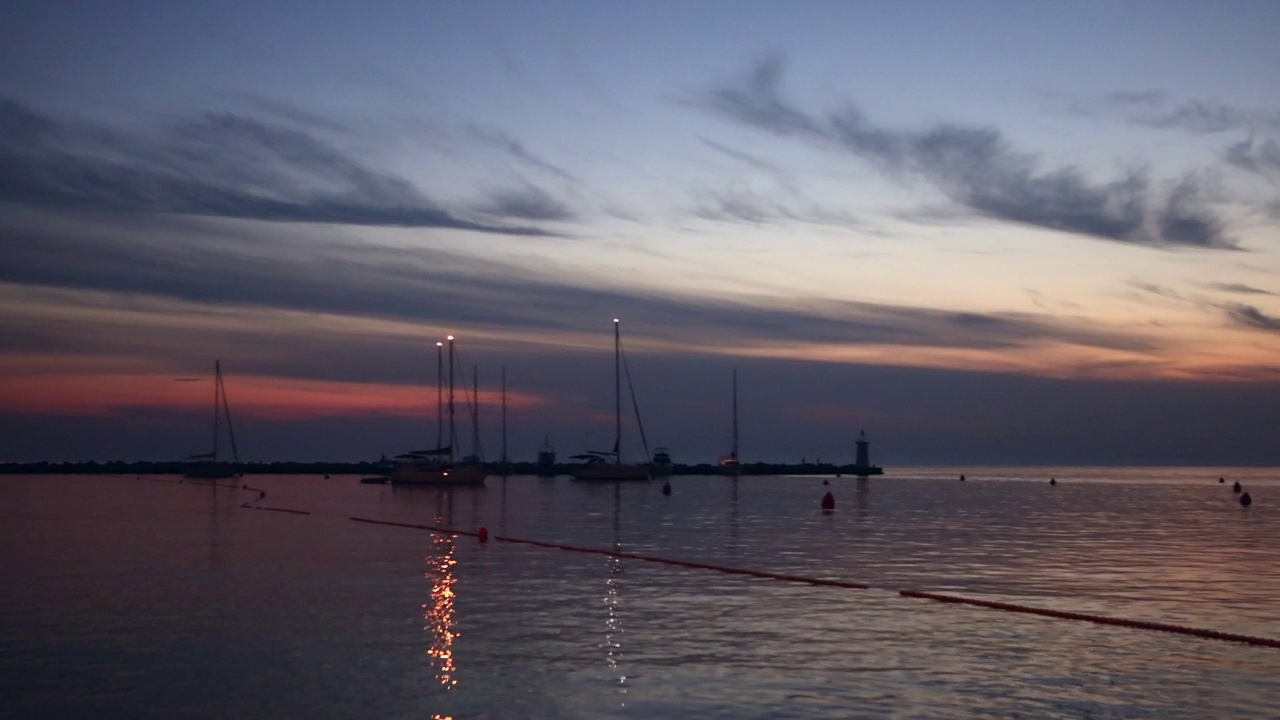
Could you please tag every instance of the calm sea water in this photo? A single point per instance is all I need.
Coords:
(127, 597)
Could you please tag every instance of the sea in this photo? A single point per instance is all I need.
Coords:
(262, 597)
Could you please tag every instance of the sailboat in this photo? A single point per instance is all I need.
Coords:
(608, 465)
(546, 466)
(438, 466)
(209, 466)
(729, 464)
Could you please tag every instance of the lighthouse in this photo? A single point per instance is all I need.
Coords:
(862, 467)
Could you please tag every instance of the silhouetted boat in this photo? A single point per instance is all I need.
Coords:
(546, 466)
(662, 462)
(210, 466)
(437, 466)
(608, 465)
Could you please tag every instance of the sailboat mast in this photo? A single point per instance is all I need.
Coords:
(735, 414)
(439, 394)
(226, 415)
(217, 397)
(617, 392)
(504, 415)
(475, 412)
(452, 430)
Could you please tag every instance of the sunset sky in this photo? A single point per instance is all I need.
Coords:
(983, 232)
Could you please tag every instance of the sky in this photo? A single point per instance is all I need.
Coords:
(981, 232)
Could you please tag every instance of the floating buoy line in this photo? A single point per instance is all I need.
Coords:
(483, 536)
(824, 582)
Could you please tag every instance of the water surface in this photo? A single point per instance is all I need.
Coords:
(156, 598)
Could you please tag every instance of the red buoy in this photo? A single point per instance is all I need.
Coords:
(828, 502)
(483, 534)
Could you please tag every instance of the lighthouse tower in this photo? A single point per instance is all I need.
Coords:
(864, 454)
(863, 466)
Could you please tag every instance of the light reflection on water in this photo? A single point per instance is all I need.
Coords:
(613, 602)
(149, 599)
(439, 611)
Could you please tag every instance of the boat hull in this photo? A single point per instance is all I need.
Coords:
(610, 471)
(439, 475)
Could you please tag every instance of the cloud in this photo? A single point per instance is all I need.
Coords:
(1250, 316)
(217, 164)
(1160, 290)
(787, 203)
(1186, 220)
(736, 206)
(748, 159)
(1201, 117)
(1262, 158)
(225, 264)
(1239, 288)
(516, 149)
(977, 167)
(746, 206)
(527, 203)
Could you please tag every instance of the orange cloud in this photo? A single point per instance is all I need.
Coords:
(274, 397)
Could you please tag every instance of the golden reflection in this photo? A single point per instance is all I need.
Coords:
(613, 624)
(613, 600)
(439, 612)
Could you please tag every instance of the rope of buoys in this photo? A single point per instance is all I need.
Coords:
(917, 594)
(1099, 619)
(276, 509)
(633, 556)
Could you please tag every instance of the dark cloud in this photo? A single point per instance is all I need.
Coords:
(736, 206)
(1185, 219)
(1239, 288)
(516, 149)
(231, 266)
(1262, 157)
(296, 115)
(1250, 316)
(528, 203)
(739, 204)
(977, 168)
(218, 164)
(1197, 117)
(745, 206)
(1201, 117)
(747, 159)
(1162, 291)
(755, 102)
(1139, 98)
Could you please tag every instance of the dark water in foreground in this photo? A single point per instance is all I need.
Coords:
(141, 598)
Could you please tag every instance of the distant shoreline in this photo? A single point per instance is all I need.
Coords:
(371, 468)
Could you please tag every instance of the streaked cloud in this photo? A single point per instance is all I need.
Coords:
(220, 165)
(978, 168)
(1261, 157)
(526, 203)
(1238, 288)
(1158, 110)
(515, 149)
(195, 261)
(1250, 316)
